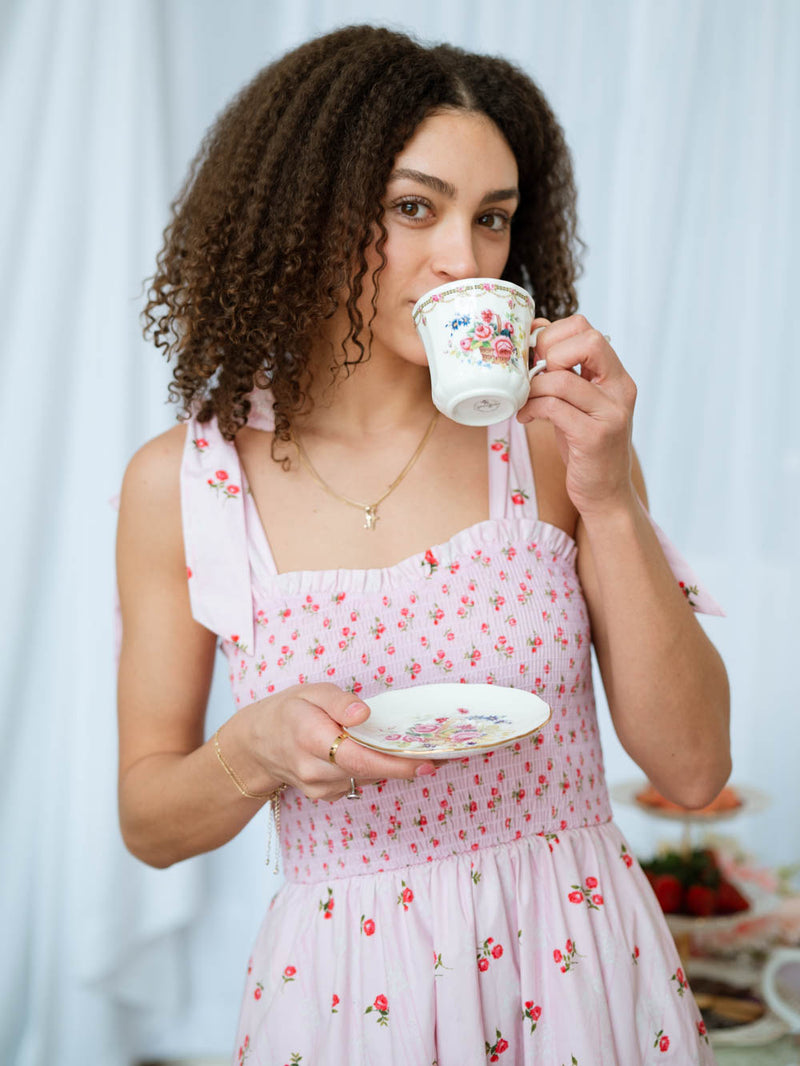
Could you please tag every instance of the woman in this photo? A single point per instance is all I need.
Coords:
(484, 907)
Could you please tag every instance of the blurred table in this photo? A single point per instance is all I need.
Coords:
(783, 1052)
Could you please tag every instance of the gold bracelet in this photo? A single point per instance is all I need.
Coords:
(236, 780)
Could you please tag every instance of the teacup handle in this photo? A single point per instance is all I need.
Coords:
(778, 959)
(537, 368)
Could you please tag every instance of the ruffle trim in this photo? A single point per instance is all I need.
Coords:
(484, 538)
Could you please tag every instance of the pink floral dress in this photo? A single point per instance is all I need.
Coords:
(492, 912)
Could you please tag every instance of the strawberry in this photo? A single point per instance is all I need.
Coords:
(669, 892)
(729, 899)
(701, 900)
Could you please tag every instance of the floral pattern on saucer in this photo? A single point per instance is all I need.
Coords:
(444, 733)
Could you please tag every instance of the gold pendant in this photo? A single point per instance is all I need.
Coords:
(370, 516)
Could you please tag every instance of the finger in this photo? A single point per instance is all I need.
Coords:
(575, 390)
(558, 330)
(343, 707)
(357, 761)
(588, 348)
(572, 421)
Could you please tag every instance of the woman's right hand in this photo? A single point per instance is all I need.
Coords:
(287, 738)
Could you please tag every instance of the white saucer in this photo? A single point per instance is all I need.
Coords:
(449, 721)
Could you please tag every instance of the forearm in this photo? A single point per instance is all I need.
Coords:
(666, 685)
(174, 805)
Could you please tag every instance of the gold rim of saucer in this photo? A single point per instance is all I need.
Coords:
(431, 753)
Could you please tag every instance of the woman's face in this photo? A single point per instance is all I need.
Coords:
(448, 209)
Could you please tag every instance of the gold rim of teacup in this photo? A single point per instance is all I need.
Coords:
(520, 295)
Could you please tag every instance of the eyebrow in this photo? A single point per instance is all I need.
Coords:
(448, 190)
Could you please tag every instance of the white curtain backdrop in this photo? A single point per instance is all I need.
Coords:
(683, 118)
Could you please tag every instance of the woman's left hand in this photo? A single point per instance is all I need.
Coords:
(592, 412)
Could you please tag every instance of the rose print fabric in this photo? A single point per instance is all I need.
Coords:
(492, 912)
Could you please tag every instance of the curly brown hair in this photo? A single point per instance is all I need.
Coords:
(285, 194)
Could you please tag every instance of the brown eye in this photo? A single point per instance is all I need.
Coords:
(414, 210)
(496, 221)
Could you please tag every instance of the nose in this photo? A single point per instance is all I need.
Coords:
(453, 255)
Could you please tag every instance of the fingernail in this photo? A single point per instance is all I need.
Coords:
(354, 710)
(425, 770)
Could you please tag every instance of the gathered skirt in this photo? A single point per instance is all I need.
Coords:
(548, 950)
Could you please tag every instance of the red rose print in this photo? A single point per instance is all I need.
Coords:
(576, 897)
(221, 475)
(494, 1051)
(497, 951)
(233, 489)
(368, 927)
(483, 965)
(528, 1004)
(597, 899)
(557, 956)
(431, 561)
(290, 971)
(326, 905)
(591, 882)
(503, 348)
(406, 895)
(381, 1005)
(334, 1003)
(482, 331)
(661, 1041)
(701, 1028)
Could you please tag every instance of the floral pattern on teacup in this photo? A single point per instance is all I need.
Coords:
(492, 338)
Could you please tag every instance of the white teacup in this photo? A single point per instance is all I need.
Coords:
(780, 985)
(477, 334)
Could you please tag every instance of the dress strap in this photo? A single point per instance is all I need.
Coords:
(512, 491)
(215, 535)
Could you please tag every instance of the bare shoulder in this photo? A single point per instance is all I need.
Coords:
(150, 503)
(154, 470)
(550, 475)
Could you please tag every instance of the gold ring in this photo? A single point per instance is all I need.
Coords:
(335, 747)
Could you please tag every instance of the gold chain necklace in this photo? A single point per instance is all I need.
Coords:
(370, 509)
